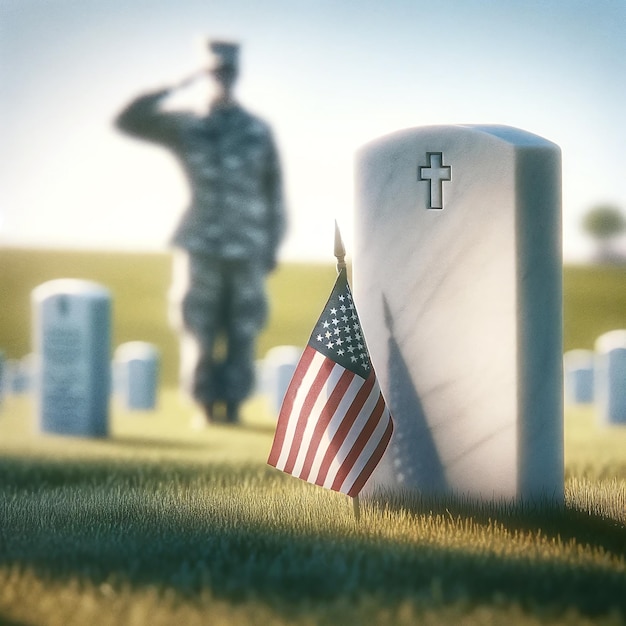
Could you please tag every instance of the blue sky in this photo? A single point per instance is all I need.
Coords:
(330, 75)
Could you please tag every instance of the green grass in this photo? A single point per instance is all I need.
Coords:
(594, 299)
(594, 303)
(159, 524)
(163, 525)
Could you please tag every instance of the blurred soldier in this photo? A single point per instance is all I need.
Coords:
(227, 240)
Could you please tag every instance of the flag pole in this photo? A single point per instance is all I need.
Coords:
(340, 254)
(340, 250)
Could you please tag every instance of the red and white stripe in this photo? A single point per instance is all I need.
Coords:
(333, 426)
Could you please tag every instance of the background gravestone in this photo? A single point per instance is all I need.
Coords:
(279, 365)
(578, 373)
(21, 375)
(28, 367)
(457, 276)
(137, 373)
(71, 338)
(611, 377)
(3, 375)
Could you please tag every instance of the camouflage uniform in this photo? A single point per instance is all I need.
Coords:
(230, 232)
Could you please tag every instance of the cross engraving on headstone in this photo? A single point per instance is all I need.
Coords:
(435, 172)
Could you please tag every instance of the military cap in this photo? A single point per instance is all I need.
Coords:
(224, 54)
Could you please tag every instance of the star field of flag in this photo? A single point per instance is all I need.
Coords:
(338, 333)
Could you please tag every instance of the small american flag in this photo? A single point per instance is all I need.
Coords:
(333, 426)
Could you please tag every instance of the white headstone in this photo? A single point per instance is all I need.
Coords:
(3, 375)
(279, 365)
(137, 369)
(578, 374)
(457, 278)
(611, 377)
(71, 337)
(22, 374)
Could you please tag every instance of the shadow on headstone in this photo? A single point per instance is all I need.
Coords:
(412, 459)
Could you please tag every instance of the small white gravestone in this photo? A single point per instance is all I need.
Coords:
(260, 382)
(457, 277)
(578, 374)
(3, 375)
(611, 377)
(22, 374)
(137, 372)
(279, 365)
(11, 376)
(71, 337)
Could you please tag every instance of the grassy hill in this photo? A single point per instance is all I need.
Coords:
(594, 298)
(139, 283)
(594, 303)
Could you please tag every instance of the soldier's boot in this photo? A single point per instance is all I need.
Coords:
(202, 418)
(232, 412)
(208, 412)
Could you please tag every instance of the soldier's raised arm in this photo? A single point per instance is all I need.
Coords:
(143, 117)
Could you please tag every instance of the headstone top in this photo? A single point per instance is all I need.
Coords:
(611, 341)
(578, 358)
(71, 286)
(136, 350)
(507, 134)
(512, 135)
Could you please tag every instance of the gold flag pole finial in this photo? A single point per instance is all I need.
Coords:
(340, 250)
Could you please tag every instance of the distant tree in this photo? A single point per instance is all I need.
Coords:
(605, 223)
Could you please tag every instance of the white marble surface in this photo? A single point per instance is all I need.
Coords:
(71, 344)
(461, 307)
